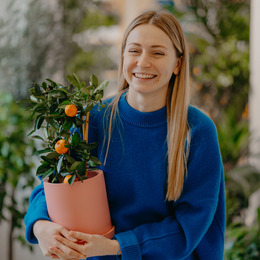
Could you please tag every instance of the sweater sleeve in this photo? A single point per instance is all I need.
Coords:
(37, 210)
(177, 236)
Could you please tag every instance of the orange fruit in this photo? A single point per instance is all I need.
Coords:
(66, 179)
(71, 110)
(60, 147)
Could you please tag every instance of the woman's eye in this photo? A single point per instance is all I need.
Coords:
(133, 51)
(159, 53)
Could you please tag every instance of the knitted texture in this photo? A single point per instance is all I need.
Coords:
(148, 226)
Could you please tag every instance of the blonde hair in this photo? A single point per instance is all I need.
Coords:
(177, 99)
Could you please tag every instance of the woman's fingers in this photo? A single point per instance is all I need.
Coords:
(80, 236)
(69, 243)
(66, 234)
(69, 248)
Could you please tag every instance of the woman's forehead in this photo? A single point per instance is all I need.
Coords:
(148, 34)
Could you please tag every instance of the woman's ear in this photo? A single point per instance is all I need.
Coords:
(178, 66)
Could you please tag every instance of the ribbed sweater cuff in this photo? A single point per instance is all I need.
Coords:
(129, 245)
(30, 219)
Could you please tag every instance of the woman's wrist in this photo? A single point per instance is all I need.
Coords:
(36, 227)
(115, 247)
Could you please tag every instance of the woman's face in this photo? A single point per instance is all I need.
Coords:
(149, 60)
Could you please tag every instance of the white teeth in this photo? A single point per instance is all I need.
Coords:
(144, 76)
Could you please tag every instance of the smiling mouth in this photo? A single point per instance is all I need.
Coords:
(144, 76)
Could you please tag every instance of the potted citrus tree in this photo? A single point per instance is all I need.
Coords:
(75, 190)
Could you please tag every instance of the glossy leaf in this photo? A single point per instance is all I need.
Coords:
(72, 179)
(59, 165)
(52, 155)
(73, 80)
(93, 80)
(75, 165)
(47, 173)
(75, 139)
(102, 86)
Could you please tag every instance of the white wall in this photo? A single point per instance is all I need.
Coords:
(254, 99)
(19, 252)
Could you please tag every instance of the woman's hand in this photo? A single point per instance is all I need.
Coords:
(89, 245)
(45, 231)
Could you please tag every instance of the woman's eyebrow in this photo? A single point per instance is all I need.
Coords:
(153, 46)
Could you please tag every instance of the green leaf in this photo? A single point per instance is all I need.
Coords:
(42, 151)
(93, 80)
(88, 146)
(44, 85)
(77, 79)
(51, 81)
(52, 122)
(64, 104)
(40, 105)
(37, 89)
(94, 161)
(67, 125)
(89, 107)
(37, 136)
(39, 121)
(64, 174)
(102, 86)
(72, 179)
(50, 161)
(98, 97)
(47, 173)
(75, 139)
(33, 99)
(52, 155)
(31, 133)
(42, 168)
(56, 115)
(75, 165)
(59, 164)
(82, 168)
(73, 79)
(69, 159)
(60, 93)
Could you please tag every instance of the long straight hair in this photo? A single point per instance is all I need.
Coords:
(177, 99)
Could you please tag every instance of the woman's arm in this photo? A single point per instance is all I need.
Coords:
(37, 210)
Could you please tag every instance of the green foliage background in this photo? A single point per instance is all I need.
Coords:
(39, 41)
(16, 163)
(218, 37)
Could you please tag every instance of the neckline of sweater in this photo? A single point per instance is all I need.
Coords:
(141, 119)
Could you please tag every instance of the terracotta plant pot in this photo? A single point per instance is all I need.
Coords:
(82, 206)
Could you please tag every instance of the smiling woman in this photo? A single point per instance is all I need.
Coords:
(149, 61)
(161, 160)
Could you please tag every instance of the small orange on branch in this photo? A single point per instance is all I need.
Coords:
(60, 147)
(71, 110)
(66, 179)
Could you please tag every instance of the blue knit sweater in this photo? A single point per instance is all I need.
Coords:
(148, 226)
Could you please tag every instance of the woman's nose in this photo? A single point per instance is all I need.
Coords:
(143, 61)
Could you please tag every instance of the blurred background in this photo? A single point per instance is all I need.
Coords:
(42, 39)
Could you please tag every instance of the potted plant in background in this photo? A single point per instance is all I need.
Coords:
(75, 190)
